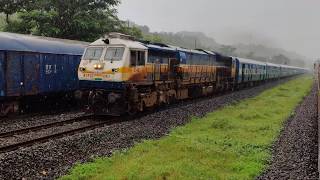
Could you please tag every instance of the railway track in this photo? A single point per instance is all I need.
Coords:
(44, 126)
(317, 81)
(90, 124)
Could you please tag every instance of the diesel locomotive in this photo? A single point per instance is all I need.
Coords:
(123, 75)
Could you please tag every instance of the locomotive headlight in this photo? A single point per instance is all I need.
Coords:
(98, 66)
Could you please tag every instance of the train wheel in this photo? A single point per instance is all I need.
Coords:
(172, 100)
(132, 110)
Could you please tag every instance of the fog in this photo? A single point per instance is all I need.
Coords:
(293, 25)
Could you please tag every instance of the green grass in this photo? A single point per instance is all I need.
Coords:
(2, 22)
(231, 143)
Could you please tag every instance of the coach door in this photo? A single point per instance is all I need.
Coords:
(234, 69)
(31, 64)
(22, 74)
(14, 73)
(243, 72)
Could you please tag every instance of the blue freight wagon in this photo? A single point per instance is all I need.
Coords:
(32, 66)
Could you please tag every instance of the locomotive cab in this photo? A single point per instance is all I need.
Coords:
(101, 63)
(116, 59)
(108, 67)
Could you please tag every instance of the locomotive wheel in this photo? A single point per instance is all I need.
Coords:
(132, 110)
(172, 100)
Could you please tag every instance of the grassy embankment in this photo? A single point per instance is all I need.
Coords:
(231, 143)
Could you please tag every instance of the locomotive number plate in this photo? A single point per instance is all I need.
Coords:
(88, 75)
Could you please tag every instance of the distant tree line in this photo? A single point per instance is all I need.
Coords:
(88, 20)
(84, 20)
(198, 40)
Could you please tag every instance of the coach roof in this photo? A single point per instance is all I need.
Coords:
(250, 61)
(30, 43)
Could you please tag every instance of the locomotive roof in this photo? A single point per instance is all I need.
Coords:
(160, 48)
(118, 41)
(208, 52)
(188, 50)
(165, 47)
(30, 43)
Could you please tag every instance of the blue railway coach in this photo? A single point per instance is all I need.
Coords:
(32, 66)
(249, 71)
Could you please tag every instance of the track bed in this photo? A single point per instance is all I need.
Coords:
(29, 136)
(295, 153)
(35, 119)
(53, 159)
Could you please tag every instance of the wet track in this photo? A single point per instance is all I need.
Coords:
(25, 137)
(295, 153)
(35, 119)
(52, 159)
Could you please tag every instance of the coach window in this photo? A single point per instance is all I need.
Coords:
(137, 58)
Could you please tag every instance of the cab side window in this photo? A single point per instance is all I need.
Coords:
(137, 58)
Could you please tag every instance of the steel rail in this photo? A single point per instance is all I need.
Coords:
(44, 126)
(31, 142)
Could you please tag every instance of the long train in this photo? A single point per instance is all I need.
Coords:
(38, 69)
(122, 75)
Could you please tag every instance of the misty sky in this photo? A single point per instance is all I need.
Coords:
(290, 24)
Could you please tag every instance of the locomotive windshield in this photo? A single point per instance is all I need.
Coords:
(93, 53)
(114, 54)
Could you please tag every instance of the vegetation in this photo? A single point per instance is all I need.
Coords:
(198, 40)
(230, 50)
(231, 143)
(9, 7)
(85, 20)
(88, 20)
(2, 22)
(267, 54)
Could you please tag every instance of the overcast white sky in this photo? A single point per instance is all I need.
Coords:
(290, 24)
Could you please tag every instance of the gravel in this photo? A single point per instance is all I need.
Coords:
(30, 120)
(55, 158)
(295, 153)
(18, 138)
